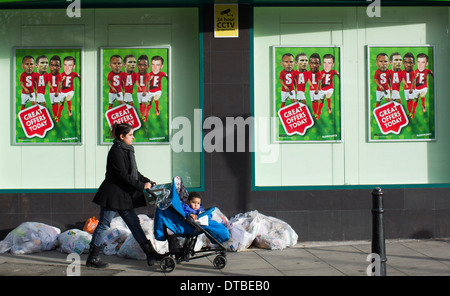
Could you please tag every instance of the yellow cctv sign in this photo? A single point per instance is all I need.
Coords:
(226, 20)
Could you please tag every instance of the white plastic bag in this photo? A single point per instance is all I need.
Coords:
(113, 239)
(115, 236)
(30, 237)
(131, 248)
(260, 230)
(74, 241)
(219, 217)
(274, 234)
(243, 230)
(240, 239)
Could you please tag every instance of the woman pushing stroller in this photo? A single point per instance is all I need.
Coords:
(121, 192)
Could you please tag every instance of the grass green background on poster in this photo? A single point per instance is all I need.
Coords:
(156, 129)
(68, 129)
(328, 127)
(422, 126)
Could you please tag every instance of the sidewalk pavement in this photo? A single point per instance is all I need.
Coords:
(404, 258)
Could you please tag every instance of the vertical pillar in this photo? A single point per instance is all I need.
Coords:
(378, 240)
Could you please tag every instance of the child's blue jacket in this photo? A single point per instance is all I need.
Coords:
(188, 210)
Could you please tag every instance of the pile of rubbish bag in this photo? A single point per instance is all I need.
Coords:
(30, 237)
(246, 229)
(261, 231)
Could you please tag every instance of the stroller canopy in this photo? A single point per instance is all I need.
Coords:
(172, 217)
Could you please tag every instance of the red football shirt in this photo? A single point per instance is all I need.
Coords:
(27, 80)
(383, 78)
(115, 80)
(41, 81)
(54, 81)
(409, 78)
(128, 81)
(155, 82)
(327, 79)
(301, 80)
(421, 78)
(315, 78)
(396, 78)
(142, 81)
(67, 81)
(288, 79)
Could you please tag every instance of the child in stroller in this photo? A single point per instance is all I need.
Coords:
(181, 232)
(193, 207)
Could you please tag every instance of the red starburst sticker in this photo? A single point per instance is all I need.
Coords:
(296, 118)
(35, 121)
(123, 114)
(391, 118)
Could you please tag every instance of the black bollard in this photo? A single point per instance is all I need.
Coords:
(378, 242)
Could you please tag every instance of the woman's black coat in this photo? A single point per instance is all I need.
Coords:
(119, 190)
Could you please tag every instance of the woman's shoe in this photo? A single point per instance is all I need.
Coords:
(93, 259)
(152, 255)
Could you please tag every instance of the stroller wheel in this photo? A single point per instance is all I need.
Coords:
(220, 261)
(167, 264)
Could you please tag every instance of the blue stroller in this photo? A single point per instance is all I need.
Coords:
(181, 233)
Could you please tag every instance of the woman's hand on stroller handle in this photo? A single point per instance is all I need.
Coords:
(149, 185)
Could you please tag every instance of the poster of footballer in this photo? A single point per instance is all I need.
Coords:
(307, 94)
(401, 93)
(135, 89)
(47, 94)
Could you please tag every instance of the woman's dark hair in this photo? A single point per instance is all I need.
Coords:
(118, 129)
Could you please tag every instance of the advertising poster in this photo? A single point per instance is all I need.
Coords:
(47, 95)
(135, 89)
(401, 93)
(307, 94)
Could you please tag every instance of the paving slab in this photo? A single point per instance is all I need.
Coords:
(404, 258)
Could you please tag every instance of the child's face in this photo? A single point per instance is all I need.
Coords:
(382, 63)
(130, 64)
(156, 66)
(422, 63)
(195, 203)
(68, 66)
(116, 65)
(287, 63)
(28, 65)
(328, 64)
(42, 65)
(396, 62)
(302, 62)
(314, 64)
(142, 66)
(408, 64)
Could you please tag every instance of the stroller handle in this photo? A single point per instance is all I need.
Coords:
(151, 193)
(160, 196)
